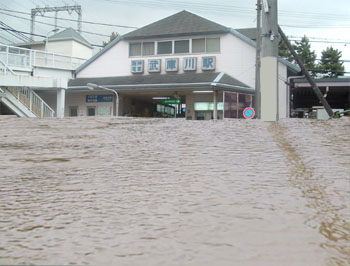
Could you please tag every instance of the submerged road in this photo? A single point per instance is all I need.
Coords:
(129, 191)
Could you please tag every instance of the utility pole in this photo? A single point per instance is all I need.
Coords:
(258, 63)
(269, 62)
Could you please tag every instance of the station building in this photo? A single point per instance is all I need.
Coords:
(183, 65)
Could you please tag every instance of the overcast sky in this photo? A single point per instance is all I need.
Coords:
(325, 22)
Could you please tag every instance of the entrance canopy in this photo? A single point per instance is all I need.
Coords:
(168, 82)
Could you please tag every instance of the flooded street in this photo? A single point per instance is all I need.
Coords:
(127, 191)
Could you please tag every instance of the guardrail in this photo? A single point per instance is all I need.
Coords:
(32, 101)
(27, 58)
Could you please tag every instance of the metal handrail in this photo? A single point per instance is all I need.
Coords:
(7, 68)
(32, 101)
(28, 58)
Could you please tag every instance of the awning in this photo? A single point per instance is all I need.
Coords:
(155, 82)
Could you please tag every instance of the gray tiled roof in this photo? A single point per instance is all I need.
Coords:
(70, 33)
(183, 23)
(248, 32)
(161, 80)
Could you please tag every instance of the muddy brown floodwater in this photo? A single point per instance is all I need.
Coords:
(129, 191)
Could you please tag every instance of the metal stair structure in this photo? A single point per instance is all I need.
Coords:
(23, 101)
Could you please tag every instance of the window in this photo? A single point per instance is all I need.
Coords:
(182, 47)
(198, 45)
(148, 48)
(91, 111)
(135, 49)
(73, 111)
(165, 47)
(213, 45)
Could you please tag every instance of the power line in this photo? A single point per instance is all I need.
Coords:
(225, 8)
(39, 35)
(67, 19)
(316, 26)
(2, 37)
(49, 24)
(321, 41)
(317, 38)
(9, 30)
(22, 32)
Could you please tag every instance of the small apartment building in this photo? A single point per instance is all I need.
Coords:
(204, 69)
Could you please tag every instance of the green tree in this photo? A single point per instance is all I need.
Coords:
(111, 38)
(330, 64)
(284, 51)
(308, 57)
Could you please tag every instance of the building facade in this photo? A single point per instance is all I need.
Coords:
(185, 62)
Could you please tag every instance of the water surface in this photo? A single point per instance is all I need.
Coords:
(132, 191)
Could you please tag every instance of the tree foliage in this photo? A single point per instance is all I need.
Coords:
(308, 57)
(284, 51)
(111, 38)
(330, 64)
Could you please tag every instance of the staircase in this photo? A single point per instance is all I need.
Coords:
(23, 101)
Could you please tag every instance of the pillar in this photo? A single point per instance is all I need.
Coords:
(269, 62)
(215, 115)
(61, 99)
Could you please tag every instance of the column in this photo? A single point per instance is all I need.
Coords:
(269, 63)
(61, 97)
(215, 115)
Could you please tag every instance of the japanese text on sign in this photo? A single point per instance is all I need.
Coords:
(208, 63)
(137, 66)
(154, 65)
(99, 98)
(171, 65)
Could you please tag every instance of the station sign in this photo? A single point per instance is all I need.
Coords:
(171, 101)
(99, 98)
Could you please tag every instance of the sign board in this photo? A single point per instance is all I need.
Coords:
(107, 98)
(248, 113)
(171, 101)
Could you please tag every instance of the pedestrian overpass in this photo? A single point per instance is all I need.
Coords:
(22, 71)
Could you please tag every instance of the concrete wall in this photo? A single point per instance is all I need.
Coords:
(69, 48)
(52, 72)
(60, 47)
(80, 50)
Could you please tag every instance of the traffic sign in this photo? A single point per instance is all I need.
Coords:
(248, 113)
(171, 101)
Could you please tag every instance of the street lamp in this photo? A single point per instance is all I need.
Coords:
(47, 37)
(92, 86)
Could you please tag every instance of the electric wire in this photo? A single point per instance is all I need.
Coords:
(74, 20)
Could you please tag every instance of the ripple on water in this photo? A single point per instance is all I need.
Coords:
(133, 191)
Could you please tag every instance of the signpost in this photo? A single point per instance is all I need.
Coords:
(248, 113)
(171, 101)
